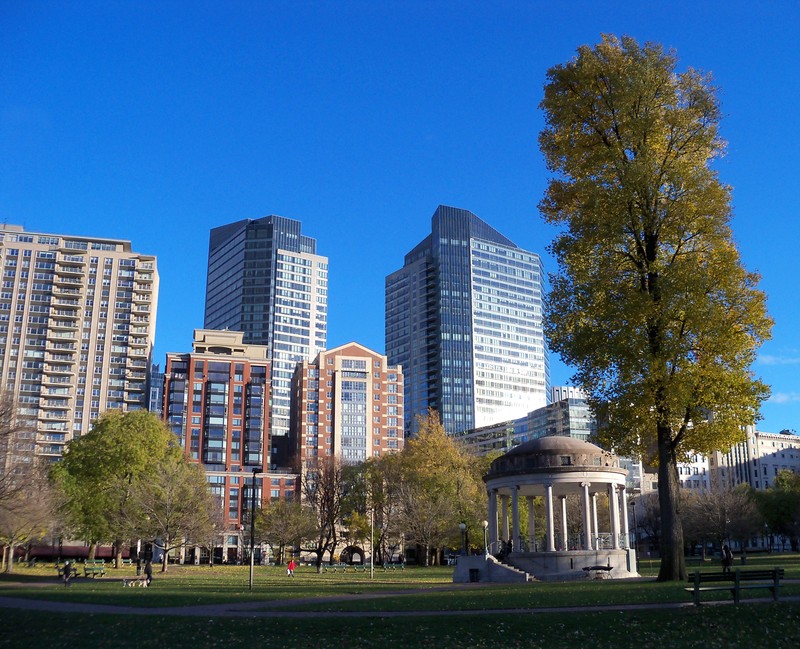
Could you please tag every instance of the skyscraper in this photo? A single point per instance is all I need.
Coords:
(464, 319)
(77, 326)
(266, 280)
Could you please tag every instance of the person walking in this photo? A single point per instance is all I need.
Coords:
(148, 571)
(727, 559)
(290, 568)
(67, 573)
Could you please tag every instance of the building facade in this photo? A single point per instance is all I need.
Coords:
(266, 280)
(77, 328)
(464, 320)
(216, 401)
(347, 403)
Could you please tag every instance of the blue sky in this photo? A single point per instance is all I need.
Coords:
(156, 121)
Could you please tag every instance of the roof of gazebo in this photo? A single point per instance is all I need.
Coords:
(554, 454)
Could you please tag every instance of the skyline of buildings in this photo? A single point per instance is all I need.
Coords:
(464, 320)
(77, 329)
(265, 279)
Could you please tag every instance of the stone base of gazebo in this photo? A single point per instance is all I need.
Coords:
(567, 566)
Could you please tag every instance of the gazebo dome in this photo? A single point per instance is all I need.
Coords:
(554, 453)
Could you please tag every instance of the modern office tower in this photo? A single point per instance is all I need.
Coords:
(464, 319)
(347, 403)
(266, 280)
(77, 326)
(216, 400)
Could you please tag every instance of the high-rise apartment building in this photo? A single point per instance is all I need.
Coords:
(216, 401)
(464, 319)
(266, 280)
(77, 327)
(347, 403)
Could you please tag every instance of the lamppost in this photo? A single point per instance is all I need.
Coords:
(485, 525)
(463, 527)
(253, 526)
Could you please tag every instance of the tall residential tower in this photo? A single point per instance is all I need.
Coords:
(77, 326)
(266, 280)
(464, 319)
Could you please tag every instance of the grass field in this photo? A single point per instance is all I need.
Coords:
(415, 589)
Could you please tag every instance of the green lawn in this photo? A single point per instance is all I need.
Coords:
(752, 626)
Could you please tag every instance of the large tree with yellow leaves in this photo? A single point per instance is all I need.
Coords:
(651, 302)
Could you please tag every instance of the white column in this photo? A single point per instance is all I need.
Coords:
(515, 519)
(623, 502)
(531, 526)
(587, 518)
(595, 529)
(548, 501)
(492, 518)
(504, 506)
(564, 523)
(614, 507)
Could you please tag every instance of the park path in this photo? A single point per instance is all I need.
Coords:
(271, 609)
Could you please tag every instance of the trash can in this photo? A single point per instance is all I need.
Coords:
(474, 575)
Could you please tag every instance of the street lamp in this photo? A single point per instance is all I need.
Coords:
(253, 526)
(485, 525)
(463, 527)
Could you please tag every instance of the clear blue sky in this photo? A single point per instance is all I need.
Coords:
(156, 121)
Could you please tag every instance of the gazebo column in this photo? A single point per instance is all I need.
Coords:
(492, 519)
(595, 528)
(504, 507)
(614, 513)
(548, 501)
(564, 523)
(531, 526)
(587, 517)
(623, 503)
(515, 519)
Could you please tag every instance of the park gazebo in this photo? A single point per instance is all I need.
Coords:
(554, 468)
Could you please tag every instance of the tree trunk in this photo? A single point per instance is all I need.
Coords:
(118, 554)
(92, 550)
(673, 563)
(10, 563)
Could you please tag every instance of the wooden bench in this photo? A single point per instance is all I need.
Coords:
(600, 572)
(735, 582)
(360, 567)
(335, 567)
(128, 562)
(394, 566)
(95, 568)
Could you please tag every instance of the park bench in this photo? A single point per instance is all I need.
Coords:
(600, 572)
(394, 566)
(360, 567)
(335, 567)
(94, 568)
(735, 582)
(127, 562)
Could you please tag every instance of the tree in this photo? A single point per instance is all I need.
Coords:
(98, 472)
(780, 507)
(26, 515)
(174, 506)
(324, 490)
(441, 487)
(650, 303)
(285, 523)
(722, 515)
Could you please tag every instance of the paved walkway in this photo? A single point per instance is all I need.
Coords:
(268, 609)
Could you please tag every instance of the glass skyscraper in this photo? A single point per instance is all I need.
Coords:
(464, 320)
(266, 280)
